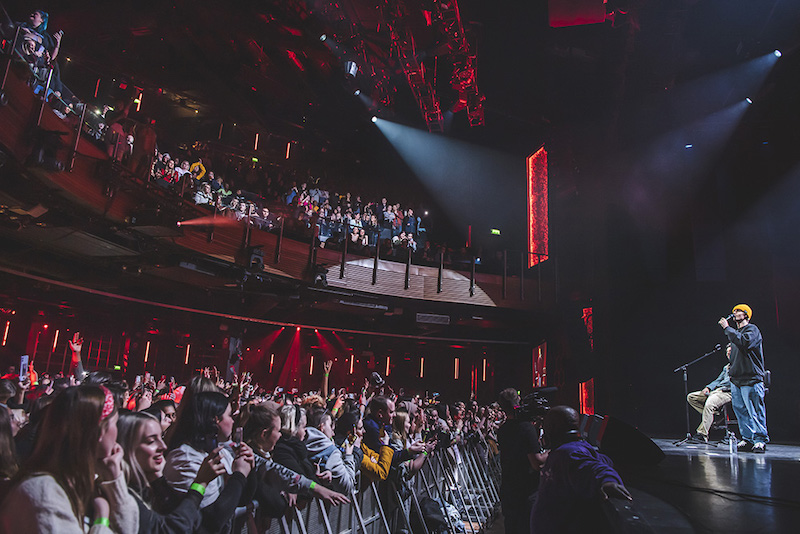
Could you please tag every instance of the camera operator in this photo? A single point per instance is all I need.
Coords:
(521, 457)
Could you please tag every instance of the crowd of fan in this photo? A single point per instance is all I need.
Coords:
(336, 217)
(159, 457)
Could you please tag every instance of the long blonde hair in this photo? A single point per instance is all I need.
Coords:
(399, 427)
(130, 431)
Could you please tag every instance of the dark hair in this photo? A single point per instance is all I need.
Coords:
(345, 425)
(317, 415)
(198, 426)
(378, 403)
(45, 17)
(154, 411)
(508, 400)
(163, 403)
(8, 452)
(260, 418)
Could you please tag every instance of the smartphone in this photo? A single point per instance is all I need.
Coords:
(138, 382)
(237, 435)
(147, 376)
(23, 366)
(279, 390)
(351, 438)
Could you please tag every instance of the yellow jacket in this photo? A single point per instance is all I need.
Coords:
(376, 464)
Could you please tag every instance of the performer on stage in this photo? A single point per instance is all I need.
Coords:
(715, 395)
(747, 379)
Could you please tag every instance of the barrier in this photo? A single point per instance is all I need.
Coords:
(461, 480)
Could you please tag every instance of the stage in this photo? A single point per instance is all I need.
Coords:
(702, 488)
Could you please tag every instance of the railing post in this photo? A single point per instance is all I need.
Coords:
(408, 268)
(472, 278)
(279, 242)
(441, 271)
(375, 264)
(44, 96)
(344, 259)
(78, 131)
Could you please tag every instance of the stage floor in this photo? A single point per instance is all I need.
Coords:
(701, 488)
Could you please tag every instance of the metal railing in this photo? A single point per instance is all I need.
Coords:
(462, 480)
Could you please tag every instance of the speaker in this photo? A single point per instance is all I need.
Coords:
(620, 441)
(576, 12)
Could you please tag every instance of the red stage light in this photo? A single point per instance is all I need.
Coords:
(538, 225)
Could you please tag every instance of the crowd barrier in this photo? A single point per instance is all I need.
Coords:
(461, 483)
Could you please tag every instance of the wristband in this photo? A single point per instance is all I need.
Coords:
(424, 453)
(102, 521)
(326, 374)
(199, 488)
(313, 485)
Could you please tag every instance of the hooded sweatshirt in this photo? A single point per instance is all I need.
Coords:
(322, 449)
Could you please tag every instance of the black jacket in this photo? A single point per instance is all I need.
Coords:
(747, 355)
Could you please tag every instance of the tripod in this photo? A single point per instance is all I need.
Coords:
(683, 368)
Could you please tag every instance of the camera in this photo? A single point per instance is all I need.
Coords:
(534, 406)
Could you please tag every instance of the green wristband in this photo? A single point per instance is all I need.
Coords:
(102, 521)
(199, 488)
(313, 485)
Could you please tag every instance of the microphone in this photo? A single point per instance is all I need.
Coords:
(729, 317)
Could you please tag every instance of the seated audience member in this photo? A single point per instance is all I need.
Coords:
(74, 472)
(262, 431)
(323, 451)
(161, 509)
(199, 430)
(711, 399)
(576, 480)
(204, 195)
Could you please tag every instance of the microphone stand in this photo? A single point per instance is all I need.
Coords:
(686, 392)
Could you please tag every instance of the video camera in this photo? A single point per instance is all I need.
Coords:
(534, 406)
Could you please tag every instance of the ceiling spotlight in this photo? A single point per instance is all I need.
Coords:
(777, 53)
(323, 37)
(351, 68)
(374, 118)
(357, 92)
(748, 100)
(688, 146)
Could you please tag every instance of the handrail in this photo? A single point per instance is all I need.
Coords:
(367, 511)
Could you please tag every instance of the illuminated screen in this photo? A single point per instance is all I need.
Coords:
(537, 207)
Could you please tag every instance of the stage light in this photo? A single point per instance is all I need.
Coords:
(146, 351)
(688, 146)
(350, 68)
(777, 53)
(186, 359)
(323, 37)
(357, 92)
(748, 100)
(374, 118)
(298, 328)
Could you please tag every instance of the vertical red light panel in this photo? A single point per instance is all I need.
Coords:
(587, 388)
(539, 364)
(538, 225)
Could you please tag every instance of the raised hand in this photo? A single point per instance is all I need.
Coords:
(211, 468)
(76, 343)
(326, 367)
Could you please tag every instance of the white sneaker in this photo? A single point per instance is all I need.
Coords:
(760, 448)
